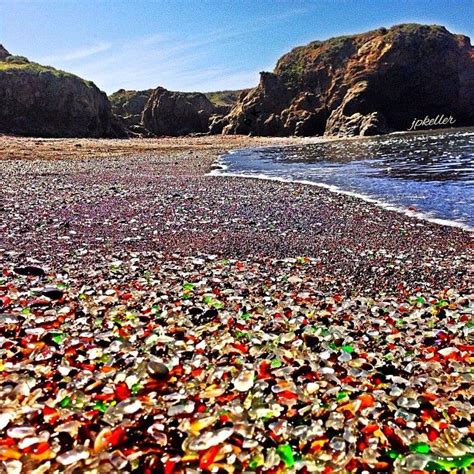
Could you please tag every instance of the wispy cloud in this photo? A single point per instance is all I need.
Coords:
(79, 53)
(178, 62)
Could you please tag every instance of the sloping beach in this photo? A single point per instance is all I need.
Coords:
(160, 319)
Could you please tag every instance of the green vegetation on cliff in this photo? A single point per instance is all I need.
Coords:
(20, 63)
(292, 66)
(224, 98)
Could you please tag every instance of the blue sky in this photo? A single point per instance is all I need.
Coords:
(198, 45)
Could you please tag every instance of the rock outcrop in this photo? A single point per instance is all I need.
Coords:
(177, 113)
(129, 105)
(3, 53)
(189, 112)
(42, 101)
(364, 84)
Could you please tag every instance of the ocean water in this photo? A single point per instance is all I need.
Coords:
(426, 174)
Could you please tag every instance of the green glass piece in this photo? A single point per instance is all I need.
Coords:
(26, 311)
(241, 335)
(421, 448)
(256, 461)
(59, 337)
(341, 395)
(65, 402)
(276, 363)
(420, 300)
(101, 406)
(333, 346)
(136, 387)
(207, 300)
(348, 348)
(246, 316)
(392, 454)
(450, 462)
(286, 454)
(268, 416)
(188, 287)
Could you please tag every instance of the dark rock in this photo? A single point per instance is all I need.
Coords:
(311, 340)
(52, 293)
(217, 124)
(139, 131)
(157, 370)
(177, 113)
(195, 311)
(364, 84)
(3, 53)
(129, 105)
(29, 271)
(190, 113)
(208, 316)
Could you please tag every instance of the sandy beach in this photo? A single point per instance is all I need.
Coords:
(158, 319)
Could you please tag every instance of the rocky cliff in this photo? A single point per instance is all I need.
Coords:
(42, 101)
(363, 84)
(176, 113)
(129, 104)
(189, 112)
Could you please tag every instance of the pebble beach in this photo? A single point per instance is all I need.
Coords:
(155, 318)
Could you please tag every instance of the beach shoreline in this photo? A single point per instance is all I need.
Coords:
(162, 196)
(158, 318)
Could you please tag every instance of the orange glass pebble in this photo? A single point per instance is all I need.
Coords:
(9, 453)
(208, 457)
(367, 400)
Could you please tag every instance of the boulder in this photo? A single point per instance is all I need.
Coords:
(129, 105)
(364, 84)
(177, 113)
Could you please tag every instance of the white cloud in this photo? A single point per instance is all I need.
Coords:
(175, 62)
(79, 53)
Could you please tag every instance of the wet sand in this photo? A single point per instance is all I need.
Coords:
(203, 323)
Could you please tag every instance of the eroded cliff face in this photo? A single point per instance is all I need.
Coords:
(364, 84)
(42, 101)
(163, 112)
(129, 104)
(177, 113)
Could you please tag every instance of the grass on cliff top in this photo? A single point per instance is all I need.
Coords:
(292, 65)
(226, 98)
(123, 95)
(217, 98)
(20, 63)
